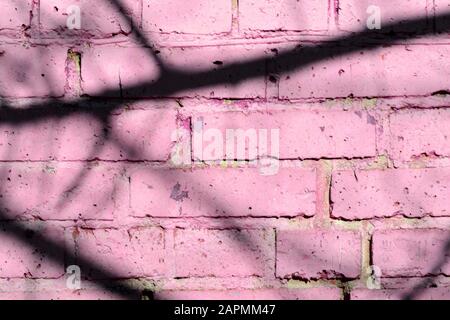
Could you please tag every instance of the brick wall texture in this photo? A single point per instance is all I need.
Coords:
(226, 149)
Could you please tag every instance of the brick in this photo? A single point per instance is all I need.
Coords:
(83, 294)
(132, 135)
(195, 16)
(441, 293)
(148, 133)
(203, 253)
(199, 67)
(258, 294)
(58, 191)
(122, 253)
(442, 9)
(97, 18)
(16, 14)
(414, 252)
(353, 14)
(366, 194)
(23, 254)
(219, 192)
(271, 15)
(41, 75)
(388, 71)
(315, 254)
(335, 134)
(101, 78)
(92, 198)
(417, 133)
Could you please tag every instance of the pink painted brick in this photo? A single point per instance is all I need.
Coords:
(335, 133)
(440, 293)
(258, 294)
(32, 72)
(60, 294)
(81, 136)
(97, 18)
(203, 253)
(413, 252)
(148, 133)
(390, 71)
(366, 194)
(213, 59)
(416, 132)
(221, 192)
(195, 16)
(271, 15)
(353, 14)
(24, 255)
(139, 79)
(442, 8)
(58, 191)
(101, 77)
(130, 253)
(318, 254)
(15, 14)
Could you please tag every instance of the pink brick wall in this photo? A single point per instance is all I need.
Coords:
(224, 149)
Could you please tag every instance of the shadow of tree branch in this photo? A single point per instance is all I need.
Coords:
(52, 250)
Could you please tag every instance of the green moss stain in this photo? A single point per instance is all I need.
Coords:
(369, 103)
(75, 57)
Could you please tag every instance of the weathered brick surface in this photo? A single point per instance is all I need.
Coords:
(442, 293)
(268, 15)
(196, 16)
(58, 191)
(318, 254)
(442, 8)
(99, 73)
(140, 79)
(21, 76)
(123, 253)
(16, 14)
(222, 192)
(19, 260)
(353, 14)
(414, 252)
(97, 18)
(260, 294)
(374, 73)
(67, 294)
(364, 194)
(130, 135)
(420, 133)
(350, 194)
